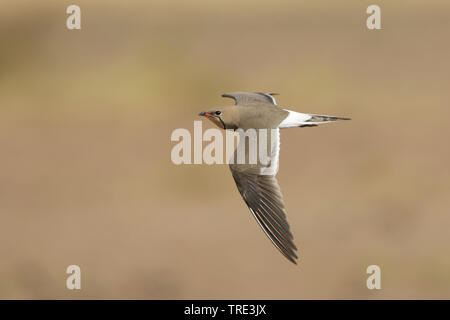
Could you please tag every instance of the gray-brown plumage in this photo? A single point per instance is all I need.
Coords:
(256, 182)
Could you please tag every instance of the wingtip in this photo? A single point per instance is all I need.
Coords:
(293, 260)
(293, 257)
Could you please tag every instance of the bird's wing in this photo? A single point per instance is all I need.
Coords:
(260, 190)
(251, 98)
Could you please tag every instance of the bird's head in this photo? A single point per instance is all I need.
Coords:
(221, 117)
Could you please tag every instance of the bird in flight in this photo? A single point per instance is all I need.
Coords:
(256, 181)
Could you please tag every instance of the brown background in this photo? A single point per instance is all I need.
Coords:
(85, 170)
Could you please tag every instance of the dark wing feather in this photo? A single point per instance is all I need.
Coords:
(263, 197)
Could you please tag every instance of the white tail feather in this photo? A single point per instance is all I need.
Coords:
(296, 119)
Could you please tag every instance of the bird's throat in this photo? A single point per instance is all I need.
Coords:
(218, 122)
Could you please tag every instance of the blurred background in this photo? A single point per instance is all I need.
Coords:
(85, 170)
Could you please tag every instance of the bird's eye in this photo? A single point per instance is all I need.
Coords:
(218, 113)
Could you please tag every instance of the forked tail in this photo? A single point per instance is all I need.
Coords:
(296, 119)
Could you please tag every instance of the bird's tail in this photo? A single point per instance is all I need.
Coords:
(318, 119)
(296, 119)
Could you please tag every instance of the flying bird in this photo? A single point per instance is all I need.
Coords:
(256, 182)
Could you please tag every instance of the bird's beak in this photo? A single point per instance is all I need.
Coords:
(205, 114)
(216, 119)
